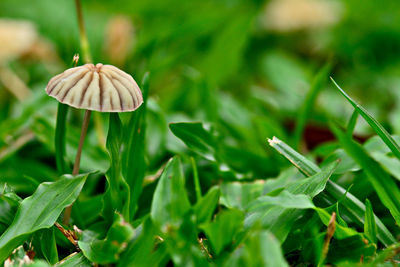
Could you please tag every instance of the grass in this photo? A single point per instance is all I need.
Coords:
(242, 154)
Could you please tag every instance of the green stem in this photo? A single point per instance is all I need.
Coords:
(60, 145)
(87, 57)
(196, 180)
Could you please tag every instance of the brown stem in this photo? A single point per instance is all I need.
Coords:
(85, 125)
(68, 234)
(75, 171)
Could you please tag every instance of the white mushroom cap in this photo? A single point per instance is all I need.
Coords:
(102, 88)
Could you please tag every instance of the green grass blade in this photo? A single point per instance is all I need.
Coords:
(354, 208)
(196, 180)
(370, 225)
(304, 165)
(352, 123)
(378, 128)
(383, 184)
(118, 191)
(60, 143)
(40, 211)
(316, 86)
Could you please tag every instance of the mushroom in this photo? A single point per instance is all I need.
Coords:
(16, 38)
(103, 88)
(99, 87)
(120, 39)
(294, 15)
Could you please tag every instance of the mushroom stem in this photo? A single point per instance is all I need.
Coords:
(85, 125)
(75, 171)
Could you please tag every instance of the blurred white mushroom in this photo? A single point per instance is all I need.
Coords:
(102, 88)
(16, 38)
(292, 15)
(120, 39)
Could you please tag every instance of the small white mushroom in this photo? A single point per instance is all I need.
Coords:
(16, 38)
(102, 88)
(293, 15)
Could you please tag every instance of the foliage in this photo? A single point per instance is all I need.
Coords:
(242, 154)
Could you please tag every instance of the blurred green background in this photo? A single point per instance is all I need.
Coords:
(242, 67)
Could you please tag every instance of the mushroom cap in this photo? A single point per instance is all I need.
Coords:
(102, 88)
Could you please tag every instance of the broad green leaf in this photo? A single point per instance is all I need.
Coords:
(238, 195)
(205, 207)
(133, 156)
(383, 184)
(370, 225)
(378, 128)
(351, 249)
(315, 184)
(38, 263)
(9, 203)
(60, 142)
(40, 211)
(221, 232)
(170, 201)
(145, 250)
(196, 138)
(352, 206)
(73, 260)
(45, 245)
(260, 248)
(284, 200)
(108, 250)
(182, 243)
(277, 213)
(341, 231)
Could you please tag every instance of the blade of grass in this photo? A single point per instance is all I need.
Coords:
(353, 207)
(383, 184)
(316, 86)
(378, 128)
(196, 179)
(370, 225)
(133, 158)
(352, 123)
(60, 144)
